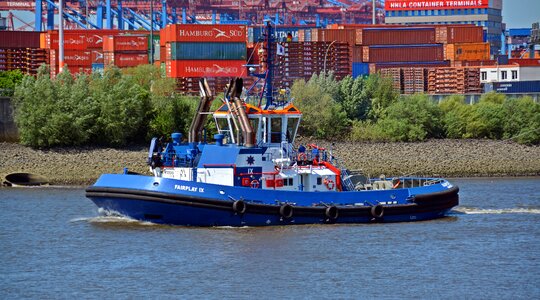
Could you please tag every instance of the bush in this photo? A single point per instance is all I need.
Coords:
(487, 118)
(111, 109)
(8, 81)
(522, 120)
(412, 118)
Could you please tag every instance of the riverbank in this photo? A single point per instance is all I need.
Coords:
(446, 158)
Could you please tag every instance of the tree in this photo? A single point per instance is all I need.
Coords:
(323, 117)
(351, 96)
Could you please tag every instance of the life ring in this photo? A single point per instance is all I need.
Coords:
(377, 211)
(331, 212)
(286, 211)
(254, 184)
(302, 156)
(329, 183)
(239, 206)
(396, 185)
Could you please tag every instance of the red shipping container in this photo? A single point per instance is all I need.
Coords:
(72, 58)
(72, 69)
(459, 34)
(204, 33)
(125, 43)
(19, 39)
(413, 53)
(72, 41)
(329, 35)
(97, 56)
(125, 60)
(395, 36)
(205, 68)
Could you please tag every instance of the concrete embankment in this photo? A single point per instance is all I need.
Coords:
(448, 158)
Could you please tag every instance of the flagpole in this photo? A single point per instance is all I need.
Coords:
(61, 36)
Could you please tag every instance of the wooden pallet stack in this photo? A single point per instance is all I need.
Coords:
(414, 80)
(454, 80)
(396, 75)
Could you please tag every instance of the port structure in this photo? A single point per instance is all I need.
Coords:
(136, 14)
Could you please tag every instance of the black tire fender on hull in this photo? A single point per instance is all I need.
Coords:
(286, 211)
(377, 211)
(239, 206)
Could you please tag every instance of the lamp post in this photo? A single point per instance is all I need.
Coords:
(325, 54)
(151, 32)
(60, 36)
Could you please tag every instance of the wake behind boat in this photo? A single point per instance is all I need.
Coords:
(253, 175)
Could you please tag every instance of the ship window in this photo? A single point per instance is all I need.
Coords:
(514, 74)
(290, 180)
(275, 134)
(319, 180)
(292, 126)
(504, 75)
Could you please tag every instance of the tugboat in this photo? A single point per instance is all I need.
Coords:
(253, 175)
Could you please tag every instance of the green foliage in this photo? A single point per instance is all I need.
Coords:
(353, 98)
(412, 118)
(487, 118)
(522, 120)
(382, 94)
(456, 115)
(367, 131)
(8, 81)
(112, 108)
(323, 117)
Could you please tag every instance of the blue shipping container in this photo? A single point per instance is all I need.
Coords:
(517, 87)
(208, 51)
(256, 33)
(360, 69)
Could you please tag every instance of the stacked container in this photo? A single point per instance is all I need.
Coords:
(125, 51)
(211, 51)
(19, 50)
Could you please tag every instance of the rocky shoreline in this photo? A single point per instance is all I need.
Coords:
(446, 158)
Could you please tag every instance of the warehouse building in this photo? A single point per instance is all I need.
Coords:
(486, 13)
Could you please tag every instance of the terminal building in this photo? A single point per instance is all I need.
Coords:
(486, 13)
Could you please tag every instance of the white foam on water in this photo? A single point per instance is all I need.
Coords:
(111, 217)
(480, 211)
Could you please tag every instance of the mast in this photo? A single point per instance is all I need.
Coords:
(60, 36)
(270, 40)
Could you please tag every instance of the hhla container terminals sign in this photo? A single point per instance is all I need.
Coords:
(434, 4)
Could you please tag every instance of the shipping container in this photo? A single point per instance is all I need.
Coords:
(395, 36)
(205, 68)
(517, 87)
(125, 60)
(97, 56)
(407, 53)
(19, 39)
(467, 51)
(72, 58)
(206, 51)
(360, 69)
(205, 33)
(330, 35)
(452, 34)
(125, 43)
(255, 34)
(374, 67)
(81, 39)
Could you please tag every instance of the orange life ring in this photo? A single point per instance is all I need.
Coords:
(255, 184)
(302, 156)
(329, 183)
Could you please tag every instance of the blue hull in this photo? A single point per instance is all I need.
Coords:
(176, 202)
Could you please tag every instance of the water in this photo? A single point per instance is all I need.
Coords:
(53, 244)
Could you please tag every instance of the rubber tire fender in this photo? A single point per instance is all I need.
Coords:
(331, 212)
(239, 206)
(286, 211)
(377, 211)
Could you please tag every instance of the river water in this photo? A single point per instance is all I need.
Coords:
(54, 244)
